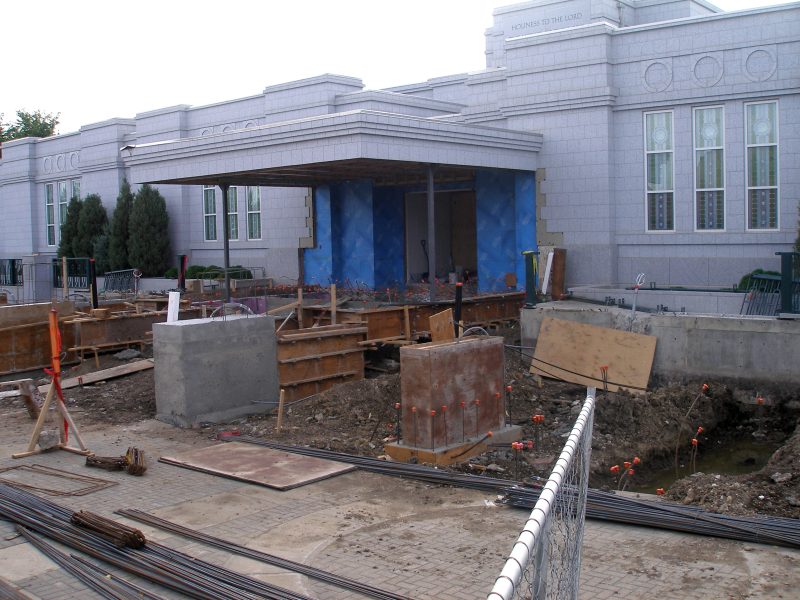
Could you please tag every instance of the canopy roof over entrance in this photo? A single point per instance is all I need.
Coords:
(388, 148)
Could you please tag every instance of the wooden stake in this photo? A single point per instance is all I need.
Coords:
(407, 323)
(280, 410)
(333, 304)
(300, 307)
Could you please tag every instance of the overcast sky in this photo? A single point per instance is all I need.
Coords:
(92, 60)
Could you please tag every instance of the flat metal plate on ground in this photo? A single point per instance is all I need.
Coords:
(258, 465)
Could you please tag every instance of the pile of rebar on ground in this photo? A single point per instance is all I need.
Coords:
(605, 506)
(37, 519)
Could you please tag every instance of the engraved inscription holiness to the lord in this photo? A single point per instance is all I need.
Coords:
(546, 22)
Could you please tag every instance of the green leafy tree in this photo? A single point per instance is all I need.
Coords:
(69, 229)
(29, 124)
(148, 229)
(92, 223)
(118, 233)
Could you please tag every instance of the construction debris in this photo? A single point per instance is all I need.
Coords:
(132, 462)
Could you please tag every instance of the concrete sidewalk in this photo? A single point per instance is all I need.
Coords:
(424, 541)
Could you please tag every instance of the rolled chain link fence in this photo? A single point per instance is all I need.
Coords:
(546, 559)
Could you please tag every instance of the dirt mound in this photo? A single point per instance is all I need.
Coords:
(352, 417)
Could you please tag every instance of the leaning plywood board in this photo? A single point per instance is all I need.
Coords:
(258, 465)
(442, 326)
(575, 352)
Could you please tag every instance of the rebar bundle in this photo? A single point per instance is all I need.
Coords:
(132, 462)
(119, 534)
(164, 566)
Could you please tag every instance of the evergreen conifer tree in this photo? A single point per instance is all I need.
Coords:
(91, 224)
(69, 229)
(148, 230)
(118, 232)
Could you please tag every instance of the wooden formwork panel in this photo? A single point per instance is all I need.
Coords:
(315, 359)
(447, 374)
(117, 330)
(27, 347)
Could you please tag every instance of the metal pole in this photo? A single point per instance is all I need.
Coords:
(93, 282)
(226, 251)
(431, 237)
(531, 258)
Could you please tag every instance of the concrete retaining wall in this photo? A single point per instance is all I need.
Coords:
(682, 301)
(753, 348)
(214, 370)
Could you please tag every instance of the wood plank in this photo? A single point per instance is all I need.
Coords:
(318, 356)
(320, 378)
(105, 374)
(321, 332)
(442, 326)
(575, 352)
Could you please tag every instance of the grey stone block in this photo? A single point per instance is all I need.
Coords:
(214, 370)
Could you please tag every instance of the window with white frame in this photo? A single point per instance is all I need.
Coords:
(253, 213)
(233, 213)
(63, 200)
(761, 140)
(709, 167)
(50, 214)
(209, 214)
(75, 184)
(659, 171)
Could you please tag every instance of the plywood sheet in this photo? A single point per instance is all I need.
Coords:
(258, 465)
(575, 352)
(442, 326)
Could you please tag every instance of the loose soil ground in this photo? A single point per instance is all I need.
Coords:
(359, 417)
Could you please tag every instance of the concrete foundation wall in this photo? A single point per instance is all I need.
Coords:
(214, 370)
(682, 301)
(752, 348)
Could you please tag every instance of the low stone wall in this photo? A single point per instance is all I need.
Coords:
(213, 370)
(753, 348)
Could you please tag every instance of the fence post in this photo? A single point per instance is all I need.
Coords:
(93, 282)
(787, 264)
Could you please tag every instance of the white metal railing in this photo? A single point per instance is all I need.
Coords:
(546, 559)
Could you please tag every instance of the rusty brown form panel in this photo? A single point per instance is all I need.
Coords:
(447, 374)
(121, 329)
(23, 314)
(28, 347)
(309, 351)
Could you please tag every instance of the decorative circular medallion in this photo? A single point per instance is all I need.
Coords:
(205, 132)
(659, 135)
(709, 132)
(48, 164)
(74, 160)
(657, 77)
(707, 71)
(761, 127)
(760, 65)
(249, 125)
(60, 162)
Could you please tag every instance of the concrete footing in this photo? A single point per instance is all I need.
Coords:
(213, 370)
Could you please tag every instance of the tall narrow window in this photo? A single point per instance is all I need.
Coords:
(709, 167)
(233, 213)
(63, 199)
(76, 189)
(50, 214)
(253, 213)
(209, 214)
(762, 165)
(659, 171)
